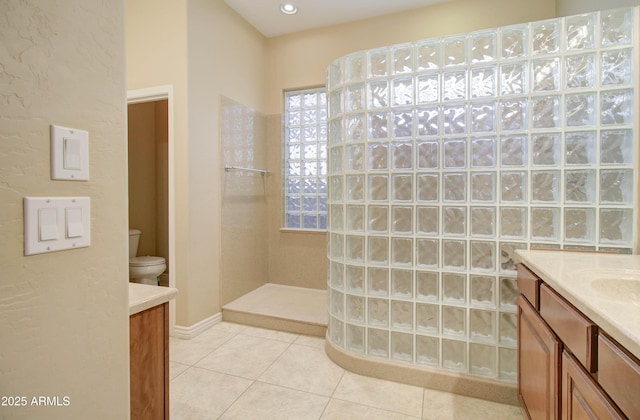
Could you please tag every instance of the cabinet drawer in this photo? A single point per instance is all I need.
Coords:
(619, 376)
(529, 285)
(574, 330)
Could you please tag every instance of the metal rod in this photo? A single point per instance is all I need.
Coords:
(239, 168)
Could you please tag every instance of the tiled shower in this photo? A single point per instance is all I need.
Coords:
(446, 155)
(243, 131)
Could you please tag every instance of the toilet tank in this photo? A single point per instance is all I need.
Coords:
(134, 240)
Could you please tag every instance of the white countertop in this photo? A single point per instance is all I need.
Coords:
(604, 287)
(145, 296)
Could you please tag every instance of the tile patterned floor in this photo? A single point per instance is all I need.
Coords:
(234, 371)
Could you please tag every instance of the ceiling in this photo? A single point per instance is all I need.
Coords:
(266, 17)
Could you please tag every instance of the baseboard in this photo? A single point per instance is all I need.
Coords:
(194, 330)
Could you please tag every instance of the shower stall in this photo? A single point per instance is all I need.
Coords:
(447, 155)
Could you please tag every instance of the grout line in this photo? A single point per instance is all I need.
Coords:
(378, 408)
(324, 410)
(179, 374)
(237, 398)
(214, 349)
(333, 392)
(272, 363)
(289, 345)
(294, 389)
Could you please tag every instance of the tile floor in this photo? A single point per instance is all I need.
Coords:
(233, 371)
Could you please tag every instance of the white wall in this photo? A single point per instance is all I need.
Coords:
(64, 315)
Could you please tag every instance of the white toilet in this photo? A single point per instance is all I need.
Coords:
(143, 269)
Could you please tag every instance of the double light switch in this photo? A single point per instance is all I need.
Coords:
(56, 223)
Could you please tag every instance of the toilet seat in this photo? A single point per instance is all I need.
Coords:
(145, 261)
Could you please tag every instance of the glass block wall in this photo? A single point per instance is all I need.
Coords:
(446, 155)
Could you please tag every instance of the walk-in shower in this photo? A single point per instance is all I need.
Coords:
(446, 155)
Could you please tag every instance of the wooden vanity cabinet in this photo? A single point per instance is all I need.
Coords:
(619, 375)
(149, 363)
(582, 398)
(529, 285)
(577, 333)
(567, 368)
(539, 353)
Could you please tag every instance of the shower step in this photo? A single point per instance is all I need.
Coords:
(285, 308)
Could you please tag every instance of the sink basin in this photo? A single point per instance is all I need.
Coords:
(613, 283)
(618, 289)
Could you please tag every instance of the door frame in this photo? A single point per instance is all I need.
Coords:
(153, 94)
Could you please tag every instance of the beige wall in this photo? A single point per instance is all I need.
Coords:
(194, 46)
(148, 172)
(296, 258)
(64, 315)
(226, 58)
(300, 60)
(575, 7)
(156, 55)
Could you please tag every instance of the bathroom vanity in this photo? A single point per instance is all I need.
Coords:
(578, 335)
(149, 350)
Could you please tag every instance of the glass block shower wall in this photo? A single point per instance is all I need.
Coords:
(446, 155)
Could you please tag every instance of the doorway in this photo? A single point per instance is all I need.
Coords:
(150, 112)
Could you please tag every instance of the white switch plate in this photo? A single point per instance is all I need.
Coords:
(69, 154)
(56, 223)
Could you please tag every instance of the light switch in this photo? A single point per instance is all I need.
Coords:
(72, 159)
(74, 222)
(47, 224)
(56, 223)
(69, 154)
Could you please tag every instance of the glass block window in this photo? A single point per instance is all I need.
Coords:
(305, 159)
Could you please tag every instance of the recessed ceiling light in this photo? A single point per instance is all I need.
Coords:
(288, 9)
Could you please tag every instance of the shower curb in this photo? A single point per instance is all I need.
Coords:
(499, 392)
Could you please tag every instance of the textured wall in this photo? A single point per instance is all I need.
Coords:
(64, 315)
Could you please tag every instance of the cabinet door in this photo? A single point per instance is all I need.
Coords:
(539, 353)
(149, 363)
(619, 375)
(582, 398)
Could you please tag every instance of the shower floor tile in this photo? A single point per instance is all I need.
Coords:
(287, 308)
